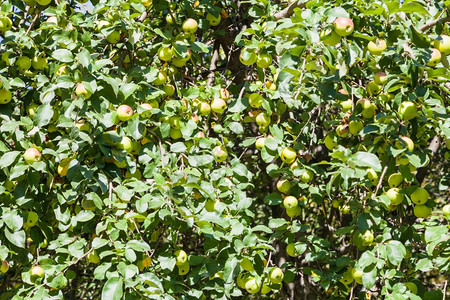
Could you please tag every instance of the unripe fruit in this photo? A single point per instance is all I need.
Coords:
(32, 219)
(419, 196)
(246, 264)
(204, 109)
(443, 44)
(39, 62)
(262, 119)
(161, 79)
(343, 26)
(380, 78)
(422, 211)
(24, 63)
(290, 202)
(4, 267)
(220, 153)
(395, 180)
(183, 269)
(81, 90)
(435, 57)
(347, 105)
(367, 238)
(283, 186)
(5, 96)
(218, 105)
(446, 210)
(372, 88)
(242, 279)
(181, 257)
(377, 47)
(405, 142)
(373, 176)
(252, 286)
(294, 211)
(395, 196)
(264, 60)
(276, 276)
(355, 127)
(93, 257)
(307, 176)
(113, 37)
(63, 166)
(291, 251)
(407, 110)
(247, 57)
(329, 143)
(32, 155)
(259, 144)
(124, 112)
(125, 144)
(330, 37)
(288, 155)
(213, 20)
(37, 271)
(342, 130)
(255, 100)
(357, 275)
(165, 53)
(190, 26)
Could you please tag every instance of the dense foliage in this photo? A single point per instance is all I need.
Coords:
(224, 149)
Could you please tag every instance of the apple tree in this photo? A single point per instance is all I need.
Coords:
(224, 149)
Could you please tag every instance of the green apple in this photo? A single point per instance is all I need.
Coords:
(181, 257)
(380, 78)
(355, 127)
(204, 108)
(367, 238)
(294, 211)
(255, 100)
(284, 185)
(342, 130)
(276, 276)
(372, 175)
(4, 267)
(81, 91)
(405, 141)
(169, 19)
(125, 144)
(62, 70)
(179, 62)
(343, 26)
(330, 143)
(82, 125)
(169, 89)
(213, 20)
(175, 133)
(113, 37)
(265, 289)
(370, 111)
(252, 286)
(31, 109)
(190, 26)
(330, 37)
(246, 264)
(443, 44)
(220, 153)
(357, 275)
(93, 257)
(422, 211)
(395, 179)
(377, 47)
(218, 105)
(259, 144)
(39, 62)
(165, 53)
(372, 88)
(291, 251)
(23, 63)
(161, 78)
(175, 122)
(124, 112)
(37, 271)
(247, 57)
(446, 210)
(211, 205)
(288, 155)
(412, 287)
(43, 2)
(395, 196)
(307, 176)
(224, 94)
(5, 24)
(347, 105)
(347, 277)
(147, 113)
(32, 219)
(32, 155)
(419, 196)
(435, 57)
(10, 185)
(407, 110)
(183, 269)
(262, 119)
(290, 202)
(242, 279)
(264, 60)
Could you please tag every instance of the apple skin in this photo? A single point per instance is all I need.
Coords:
(395, 179)
(32, 155)
(262, 119)
(147, 112)
(419, 196)
(183, 269)
(288, 155)
(422, 211)
(259, 144)
(264, 60)
(367, 238)
(405, 141)
(372, 175)
(380, 78)
(93, 257)
(165, 53)
(124, 112)
(213, 20)
(307, 176)
(294, 211)
(407, 110)
(242, 279)
(5, 96)
(161, 79)
(394, 196)
(181, 257)
(39, 62)
(443, 44)
(190, 26)
(113, 37)
(276, 276)
(255, 100)
(372, 88)
(81, 91)
(355, 127)
(283, 186)
(4, 267)
(23, 63)
(246, 264)
(63, 166)
(357, 275)
(377, 47)
(224, 94)
(435, 57)
(290, 250)
(446, 210)
(290, 202)
(343, 26)
(204, 108)
(347, 105)
(220, 153)
(330, 37)
(31, 109)
(330, 143)
(37, 271)
(218, 105)
(249, 59)
(252, 286)
(125, 144)
(347, 277)
(169, 89)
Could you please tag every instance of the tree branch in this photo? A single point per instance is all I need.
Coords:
(289, 11)
(430, 24)
(213, 65)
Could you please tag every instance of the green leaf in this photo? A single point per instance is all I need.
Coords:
(84, 216)
(84, 58)
(178, 147)
(200, 160)
(128, 89)
(136, 128)
(100, 271)
(231, 270)
(16, 238)
(395, 252)
(8, 158)
(369, 277)
(436, 233)
(43, 115)
(63, 55)
(365, 159)
(276, 223)
(113, 289)
(13, 220)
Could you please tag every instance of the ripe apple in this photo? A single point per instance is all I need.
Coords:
(395, 179)
(125, 144)
(367, 238)
(355, 127)
(181, 257)
(183, 269)
(330, 37)
(247, 57)
(419, 196)
(255, 100)
(343, 26)
(288, 155)
(23, 63)
(246, 264)
(330, 143)
(32, 155)
(213, 20)
(347, 105)
(37, 271)
(165, 53)
(204, 108)
(262, 119)
(93, 257)
(422, 211)
(290, 202)
(284, 186)
(81, 91)
(5, 96)
(407, 110)
(124, 112)
(276, 276)
(394, 196)
(377, 47)
(291, 251)
(113, 37)
(380, 78)
(220, 153)
(405, 141)
(190, 26)
(307, 176)
(372, 88)
(224, 94)
(218, 105)
(264, 60)
(443, 44)
(294, 211)
(435, 57)
(252, 285)
(4, 267)
(357, 275)
(39, 62)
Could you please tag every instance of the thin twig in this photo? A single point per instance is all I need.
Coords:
(32, 22)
